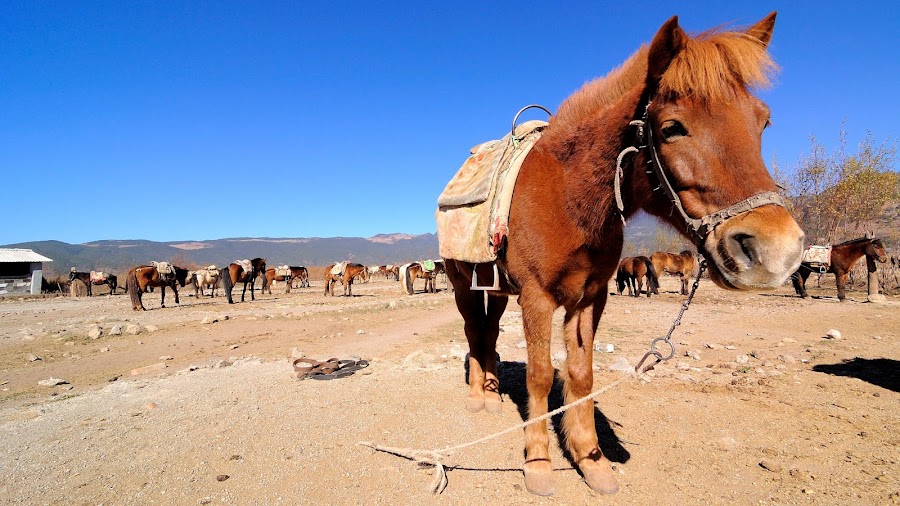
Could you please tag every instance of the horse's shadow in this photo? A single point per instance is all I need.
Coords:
(882, 372)
(513, 383)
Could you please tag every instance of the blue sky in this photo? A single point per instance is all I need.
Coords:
(200, 120)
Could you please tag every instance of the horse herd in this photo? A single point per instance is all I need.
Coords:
(207, 279)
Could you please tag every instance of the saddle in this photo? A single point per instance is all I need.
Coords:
(164, 269)
(339, 268)
(212, 269)
(473, 210)
(98, 276)
(817, 256)
(245, 264)
(283, 270)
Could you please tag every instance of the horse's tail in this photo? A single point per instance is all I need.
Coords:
(227, 283)
(408, 280)
(135, 292)
(652, 279)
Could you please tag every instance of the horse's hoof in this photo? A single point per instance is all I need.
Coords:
(474, 404)
(539, 478)
(493, 403)
(598, 475)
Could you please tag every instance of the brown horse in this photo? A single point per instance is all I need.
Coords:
(680, 116)
(632, 271)
(350, 272)
(416, 270)
(235, 273)
(843, 256)
(89, 279)
(272, 275)
(144, 277)
(300, 274)
(681, 264)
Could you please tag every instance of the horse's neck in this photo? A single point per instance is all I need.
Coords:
(849, 253)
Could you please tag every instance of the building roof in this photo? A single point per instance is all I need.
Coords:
(11, 255)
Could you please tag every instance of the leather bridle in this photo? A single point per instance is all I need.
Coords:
(698, 227)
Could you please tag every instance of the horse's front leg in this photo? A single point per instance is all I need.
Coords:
(578, 422)
(252, 285)
(840, 279)
(537, 318)
(162, 298)
(175, 289)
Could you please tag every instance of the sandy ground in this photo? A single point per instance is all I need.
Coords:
(756, 408)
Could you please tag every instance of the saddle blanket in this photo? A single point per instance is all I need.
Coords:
(338, 269)
(245, 264)
(428, 265)
(817, 255)
(283, 270)
(98, 276)
(473, 210)
(164, 268)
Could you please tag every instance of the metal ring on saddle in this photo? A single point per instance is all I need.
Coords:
(516, 118)
(658, 354)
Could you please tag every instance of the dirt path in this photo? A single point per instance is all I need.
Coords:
(761, 410)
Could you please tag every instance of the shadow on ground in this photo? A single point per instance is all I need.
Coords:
(883, 372)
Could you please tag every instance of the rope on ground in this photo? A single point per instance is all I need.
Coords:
(437, 457)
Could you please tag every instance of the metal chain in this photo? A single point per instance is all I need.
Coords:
(653, 352)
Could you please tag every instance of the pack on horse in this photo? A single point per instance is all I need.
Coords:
(632, 271)
(94, 278)
(680, 118)
(681, 265)
(422, 270)
(205, 278)
(843, 256)
(243, 271)
(280, 273)
(344, 272)
(161, 274)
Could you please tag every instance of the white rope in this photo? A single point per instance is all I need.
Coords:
(438, 456)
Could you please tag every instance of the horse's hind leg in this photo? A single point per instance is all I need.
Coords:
(470, 304)
(578, 422)
(496, 305)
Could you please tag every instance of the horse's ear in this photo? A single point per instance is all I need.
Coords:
(668, 42)
(763, 29)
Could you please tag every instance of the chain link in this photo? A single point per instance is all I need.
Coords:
(684, 305)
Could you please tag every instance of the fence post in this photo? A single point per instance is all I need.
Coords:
(872, 267)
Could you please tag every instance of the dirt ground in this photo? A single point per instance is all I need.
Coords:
(757, 407)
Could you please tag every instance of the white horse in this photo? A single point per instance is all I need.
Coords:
(206, 278)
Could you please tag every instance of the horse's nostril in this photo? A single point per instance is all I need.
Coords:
(744, 241)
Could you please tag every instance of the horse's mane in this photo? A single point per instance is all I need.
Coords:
(860, 239)
(712, 66)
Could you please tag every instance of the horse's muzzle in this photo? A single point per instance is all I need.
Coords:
(757, 249)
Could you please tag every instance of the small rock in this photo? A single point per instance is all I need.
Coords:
(52, 382)
(133, 329)
(296, 353)
(207, 320)
(788, 359)
(151, 405)
(95, 332)
(33, 358)
(694, 354)
(833, 334)
(151, 328)
(104, 349)
(360, 332)
(683, 366)
(713, 346)
(222, 477)
(604, 347)
(742, 359)
(167, 357)
(392, 304)
(221, 363)
(113, 379)
(789, 340)
(116, 330)
(730, 347)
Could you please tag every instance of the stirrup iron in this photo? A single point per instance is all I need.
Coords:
(494, 287)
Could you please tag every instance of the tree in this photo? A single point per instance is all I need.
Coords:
(839, 193)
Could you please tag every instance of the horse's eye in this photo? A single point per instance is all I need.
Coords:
(673, 130)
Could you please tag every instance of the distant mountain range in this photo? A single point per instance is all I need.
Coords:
(120, 255)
